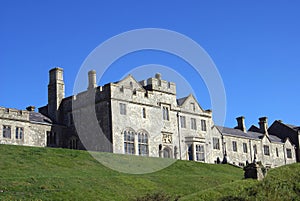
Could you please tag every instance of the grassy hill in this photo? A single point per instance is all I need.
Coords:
(29, 173)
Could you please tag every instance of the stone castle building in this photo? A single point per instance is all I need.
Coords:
(141, 118)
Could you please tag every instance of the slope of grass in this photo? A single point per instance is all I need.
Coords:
(281, 184)
(29, 173)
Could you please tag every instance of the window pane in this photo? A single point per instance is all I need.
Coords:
(203, 125)
(245, 148)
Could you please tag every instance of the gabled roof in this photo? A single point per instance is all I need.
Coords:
(133, 80)
(183, 101)
(249, 134)
(180, 101)
(254, 129)
(296, 128)
(39, 118)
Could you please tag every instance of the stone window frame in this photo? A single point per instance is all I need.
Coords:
(193, 106)
(203, 125)
(129, 141)
(266, 150)
(143, 143)
(122, 107)
(200, 152)
(6, 131)
(216, 143)
(182, 122)
(289, 153)
(166, 113)
(245, 148)
(277, 152)
(144, 115)
(19, 133)
(234, 146)
(193, 123)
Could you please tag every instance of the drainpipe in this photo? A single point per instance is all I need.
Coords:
(179, 134)
(284, 154)
(250, 150)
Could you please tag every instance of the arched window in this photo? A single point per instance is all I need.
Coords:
(129, 142)
(143, 144)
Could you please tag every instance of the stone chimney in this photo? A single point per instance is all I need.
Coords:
(263, 125)
(30, 108)
(158, 76)
(241, 124)
(92, 79)
(56, 92)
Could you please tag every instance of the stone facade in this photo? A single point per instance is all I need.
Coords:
(283, 130)
(256, 144)
(23, 127)
(142, 118)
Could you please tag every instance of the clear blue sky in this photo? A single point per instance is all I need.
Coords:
(254, 44)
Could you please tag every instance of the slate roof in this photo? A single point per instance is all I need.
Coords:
(296, 128)
(39, 118)
(249, 134)
(180, 101)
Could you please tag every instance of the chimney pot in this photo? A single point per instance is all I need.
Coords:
(30, 108)
(158, 76)
(241, 123)
(263, 125)
(92, 79)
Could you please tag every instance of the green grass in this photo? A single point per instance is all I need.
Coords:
(281, 184)
(29, 173)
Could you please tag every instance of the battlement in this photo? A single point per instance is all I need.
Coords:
(157, 84)
(10, 113)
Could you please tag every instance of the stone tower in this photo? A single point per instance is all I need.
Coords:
(56, 92)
